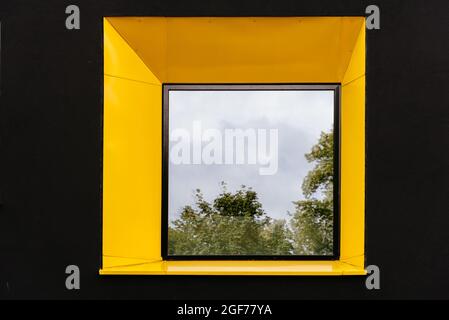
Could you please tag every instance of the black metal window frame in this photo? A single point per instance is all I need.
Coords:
(167, 87)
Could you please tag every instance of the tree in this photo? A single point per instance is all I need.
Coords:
(236, 224)
(278, 238)
(233, 224)
(312, 222)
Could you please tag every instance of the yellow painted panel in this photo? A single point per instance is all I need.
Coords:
(275, 268)
(132, 169)
(353, 170)
(350, 36)
(358, 261)
(120, 60)
(236, 50)
(252, 267)
(154, 268)
(119, 262)
(356, 67)
(148, 38)
(252, 50)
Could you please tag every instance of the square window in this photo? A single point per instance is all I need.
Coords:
(248, 172)
(146, 57)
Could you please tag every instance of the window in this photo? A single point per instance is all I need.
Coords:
(144, 57)
(249, 171)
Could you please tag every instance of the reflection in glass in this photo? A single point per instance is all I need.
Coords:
(250, 172)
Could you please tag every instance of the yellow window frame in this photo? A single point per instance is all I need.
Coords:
(142, 53)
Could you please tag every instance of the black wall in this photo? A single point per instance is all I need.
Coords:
(51, 151)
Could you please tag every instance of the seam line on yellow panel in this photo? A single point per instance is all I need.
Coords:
(352, 257)
(137, 54)
(144, 260)
(350, 264)
(345, 84)
(126, 265)
(123, 78)
(113, 256)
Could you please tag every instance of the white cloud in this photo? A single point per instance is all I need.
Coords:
(299, 116)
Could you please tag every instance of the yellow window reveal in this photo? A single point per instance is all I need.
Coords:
(143, 53)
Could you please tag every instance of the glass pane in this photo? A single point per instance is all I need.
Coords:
(250, 172)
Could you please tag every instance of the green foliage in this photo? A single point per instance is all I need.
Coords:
(278, 238)
(243, 203)
(234, 224)
(312, 222)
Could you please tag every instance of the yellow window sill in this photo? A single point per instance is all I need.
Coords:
(272, 268)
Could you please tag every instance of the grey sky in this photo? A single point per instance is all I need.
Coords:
(299, 116)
